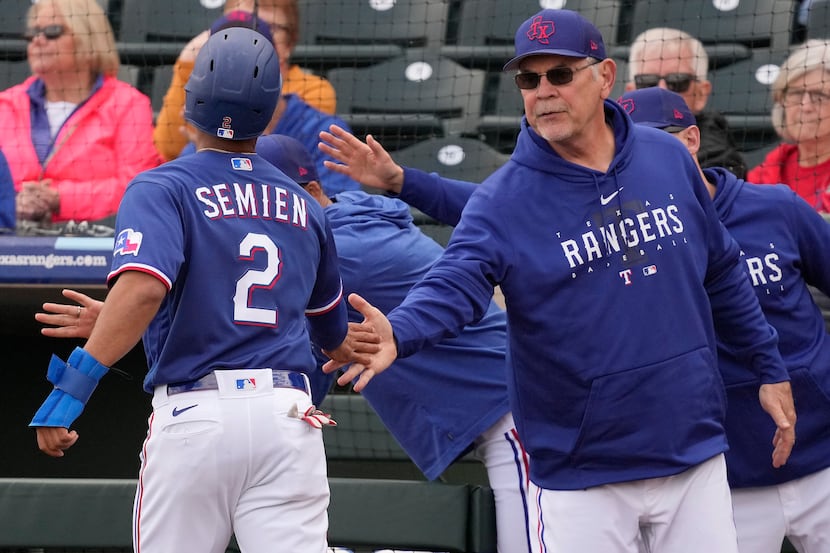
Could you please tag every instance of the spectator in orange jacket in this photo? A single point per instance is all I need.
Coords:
(74, 134)
(283, 18)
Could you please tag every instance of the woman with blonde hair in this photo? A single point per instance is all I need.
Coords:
(801, 117)
(75, 135)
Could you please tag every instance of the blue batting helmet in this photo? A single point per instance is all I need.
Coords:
(235, 84)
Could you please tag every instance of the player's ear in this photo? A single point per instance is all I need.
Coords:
(314, 188)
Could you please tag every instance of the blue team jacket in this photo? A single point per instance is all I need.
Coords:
(611, 280)
(438, 401)
(784, 246)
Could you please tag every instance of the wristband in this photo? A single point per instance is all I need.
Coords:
(74, 381)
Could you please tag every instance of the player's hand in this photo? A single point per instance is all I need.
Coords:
(360, 340)
(70, 320)
(379, 360)
(367, 163)
(53, 440)
(777, 400)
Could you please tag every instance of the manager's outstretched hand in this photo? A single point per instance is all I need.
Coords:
(381, 343)
(777, 401)
(368, 163)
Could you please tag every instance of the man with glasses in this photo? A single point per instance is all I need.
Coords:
(612, 262)
(676, 61)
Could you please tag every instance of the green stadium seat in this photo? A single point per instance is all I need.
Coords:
(408, 98)
(486, 29)
(158, 21)
(350, 33)
(764, 24)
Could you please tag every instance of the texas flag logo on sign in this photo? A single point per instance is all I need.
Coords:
(127, 243)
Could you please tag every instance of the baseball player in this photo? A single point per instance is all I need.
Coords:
(227, 268)
(783, 240)
(612, 262)
(438, 403)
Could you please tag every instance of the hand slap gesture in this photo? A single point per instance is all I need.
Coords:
(373, 337)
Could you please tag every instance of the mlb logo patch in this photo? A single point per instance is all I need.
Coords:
(127, 243)
(242, 164)
(650, 270)
(246, 383)
(224, 133)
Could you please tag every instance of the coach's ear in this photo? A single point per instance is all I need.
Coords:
(314, 188)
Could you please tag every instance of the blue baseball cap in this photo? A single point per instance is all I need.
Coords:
(658, 108)
(561, 32)
(241, 18)
(289, 156)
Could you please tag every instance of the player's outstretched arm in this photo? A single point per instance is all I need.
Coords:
(381, 340)
(777, 400)
(367, 163)
(70, 320)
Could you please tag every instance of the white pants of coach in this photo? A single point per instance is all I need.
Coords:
(799, 510)
(231, 461)
(690, 512)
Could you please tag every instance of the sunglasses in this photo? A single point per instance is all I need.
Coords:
(51, 32)
(676, 82)
(557, 76)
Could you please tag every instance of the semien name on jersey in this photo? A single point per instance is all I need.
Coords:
(249, 200)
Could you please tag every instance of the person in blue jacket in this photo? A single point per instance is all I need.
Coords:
(441, 402)
(783, 242)
(7, 209)
(616, 273)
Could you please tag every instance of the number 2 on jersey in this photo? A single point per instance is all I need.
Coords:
(252, 280)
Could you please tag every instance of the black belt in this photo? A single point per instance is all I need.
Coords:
(280, 379)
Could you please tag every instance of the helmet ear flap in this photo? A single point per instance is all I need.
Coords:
(235, 84)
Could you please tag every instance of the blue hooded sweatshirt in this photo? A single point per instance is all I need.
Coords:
(784, 245)
(611, 281)
(438, 401)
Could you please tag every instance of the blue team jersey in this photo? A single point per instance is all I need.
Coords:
(784, 245)
(248, 258)
(438, 401)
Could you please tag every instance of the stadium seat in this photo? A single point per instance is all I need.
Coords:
(165, 20)
(408, 98)
(818, 19)
(407, 23)
(13, 72)
(349, 33)
(486, 28)
(741, 92)
(502, 112)
(13, 18)
(162, 76)
(454, 157)
(761, 24)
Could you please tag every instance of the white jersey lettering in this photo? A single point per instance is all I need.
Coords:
(250, 201)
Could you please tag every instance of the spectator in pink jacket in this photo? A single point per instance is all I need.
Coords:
(73, 135)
